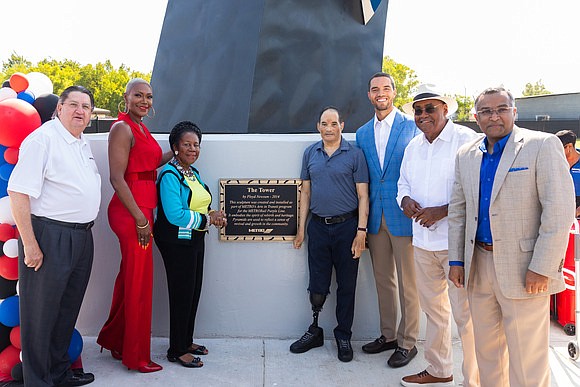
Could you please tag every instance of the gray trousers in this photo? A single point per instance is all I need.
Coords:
(50, 300)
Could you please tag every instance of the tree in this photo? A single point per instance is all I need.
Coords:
(405, 78)
(16, 62)
(105, 81)
(537, 88)
(407, 81)
(465, 104)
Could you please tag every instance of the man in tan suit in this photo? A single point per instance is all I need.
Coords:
(511, 208)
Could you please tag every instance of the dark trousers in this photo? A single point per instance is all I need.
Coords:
(50, 300)
(184, 269)
(330, 246)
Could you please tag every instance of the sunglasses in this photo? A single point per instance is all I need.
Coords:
(430, 109)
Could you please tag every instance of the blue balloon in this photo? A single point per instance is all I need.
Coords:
(27, 96)
(6, 171)
(3, 188)
(9, 311)
(76, 346)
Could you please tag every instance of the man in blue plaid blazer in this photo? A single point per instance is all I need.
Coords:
(383, 140)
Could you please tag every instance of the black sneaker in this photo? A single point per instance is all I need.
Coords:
(344, 350)
(314, 337)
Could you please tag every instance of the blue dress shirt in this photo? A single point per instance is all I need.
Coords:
(489, 164)
(575, 172)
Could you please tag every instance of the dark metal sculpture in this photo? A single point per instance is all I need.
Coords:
(266, 66)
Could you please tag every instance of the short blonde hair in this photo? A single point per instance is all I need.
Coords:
(136, 81)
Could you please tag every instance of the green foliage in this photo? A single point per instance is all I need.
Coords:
(465, 104)
(16, 62)
(105, 81)
(537, 88)
(405, 80)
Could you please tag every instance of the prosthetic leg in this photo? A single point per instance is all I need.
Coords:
(314, 336)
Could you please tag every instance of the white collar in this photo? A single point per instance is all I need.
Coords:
(389, 119)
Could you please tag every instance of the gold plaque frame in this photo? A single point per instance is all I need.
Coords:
(260, 210)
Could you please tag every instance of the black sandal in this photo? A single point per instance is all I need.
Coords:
(194, 363)
(200, 350)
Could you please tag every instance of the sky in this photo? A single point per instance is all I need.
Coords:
(461, 46)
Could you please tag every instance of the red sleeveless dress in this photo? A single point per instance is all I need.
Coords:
(128, 328)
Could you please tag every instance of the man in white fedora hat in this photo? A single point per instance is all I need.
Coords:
(424, 191)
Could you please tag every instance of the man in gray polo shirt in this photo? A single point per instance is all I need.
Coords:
(335, 190)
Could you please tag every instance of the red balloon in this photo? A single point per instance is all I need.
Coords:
(11, 155)
(17, 120)
(18, 82)
(7, 232)
(8, 268)
(15, 337)
(9, 357)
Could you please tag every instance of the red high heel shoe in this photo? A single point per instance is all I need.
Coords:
(115, 354)
(151, 367)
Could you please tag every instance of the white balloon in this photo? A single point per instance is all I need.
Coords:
(6, 93)
(11, 248)
(5, 212)
(39, 83)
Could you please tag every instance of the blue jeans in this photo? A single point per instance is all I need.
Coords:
(330, 245)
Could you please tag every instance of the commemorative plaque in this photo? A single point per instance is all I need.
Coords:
(260, 210)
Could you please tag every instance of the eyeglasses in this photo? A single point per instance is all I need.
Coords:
(488, 113)
(75, 106)
(430, 109)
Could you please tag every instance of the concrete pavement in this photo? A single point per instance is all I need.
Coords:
(254, 362)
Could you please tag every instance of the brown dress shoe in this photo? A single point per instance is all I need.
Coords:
(423, 378)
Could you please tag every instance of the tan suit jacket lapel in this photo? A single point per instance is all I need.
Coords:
(474, 180)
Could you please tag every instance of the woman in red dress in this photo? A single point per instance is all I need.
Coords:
(134, 156)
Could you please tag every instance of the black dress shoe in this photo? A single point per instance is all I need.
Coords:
(344, 350)
(379, 345)
(314, 337)
(78, 379)
(401, 357)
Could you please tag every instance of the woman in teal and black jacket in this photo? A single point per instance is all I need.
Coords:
(183, 217)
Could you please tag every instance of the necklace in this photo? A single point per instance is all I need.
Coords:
(187, 173)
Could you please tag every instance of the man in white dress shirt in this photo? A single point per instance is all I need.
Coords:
(55, 194)
(424, 190)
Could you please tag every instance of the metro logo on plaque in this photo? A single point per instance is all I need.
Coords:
(260, 209)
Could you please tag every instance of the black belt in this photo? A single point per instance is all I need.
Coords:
(335, 219)
(78, 226)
